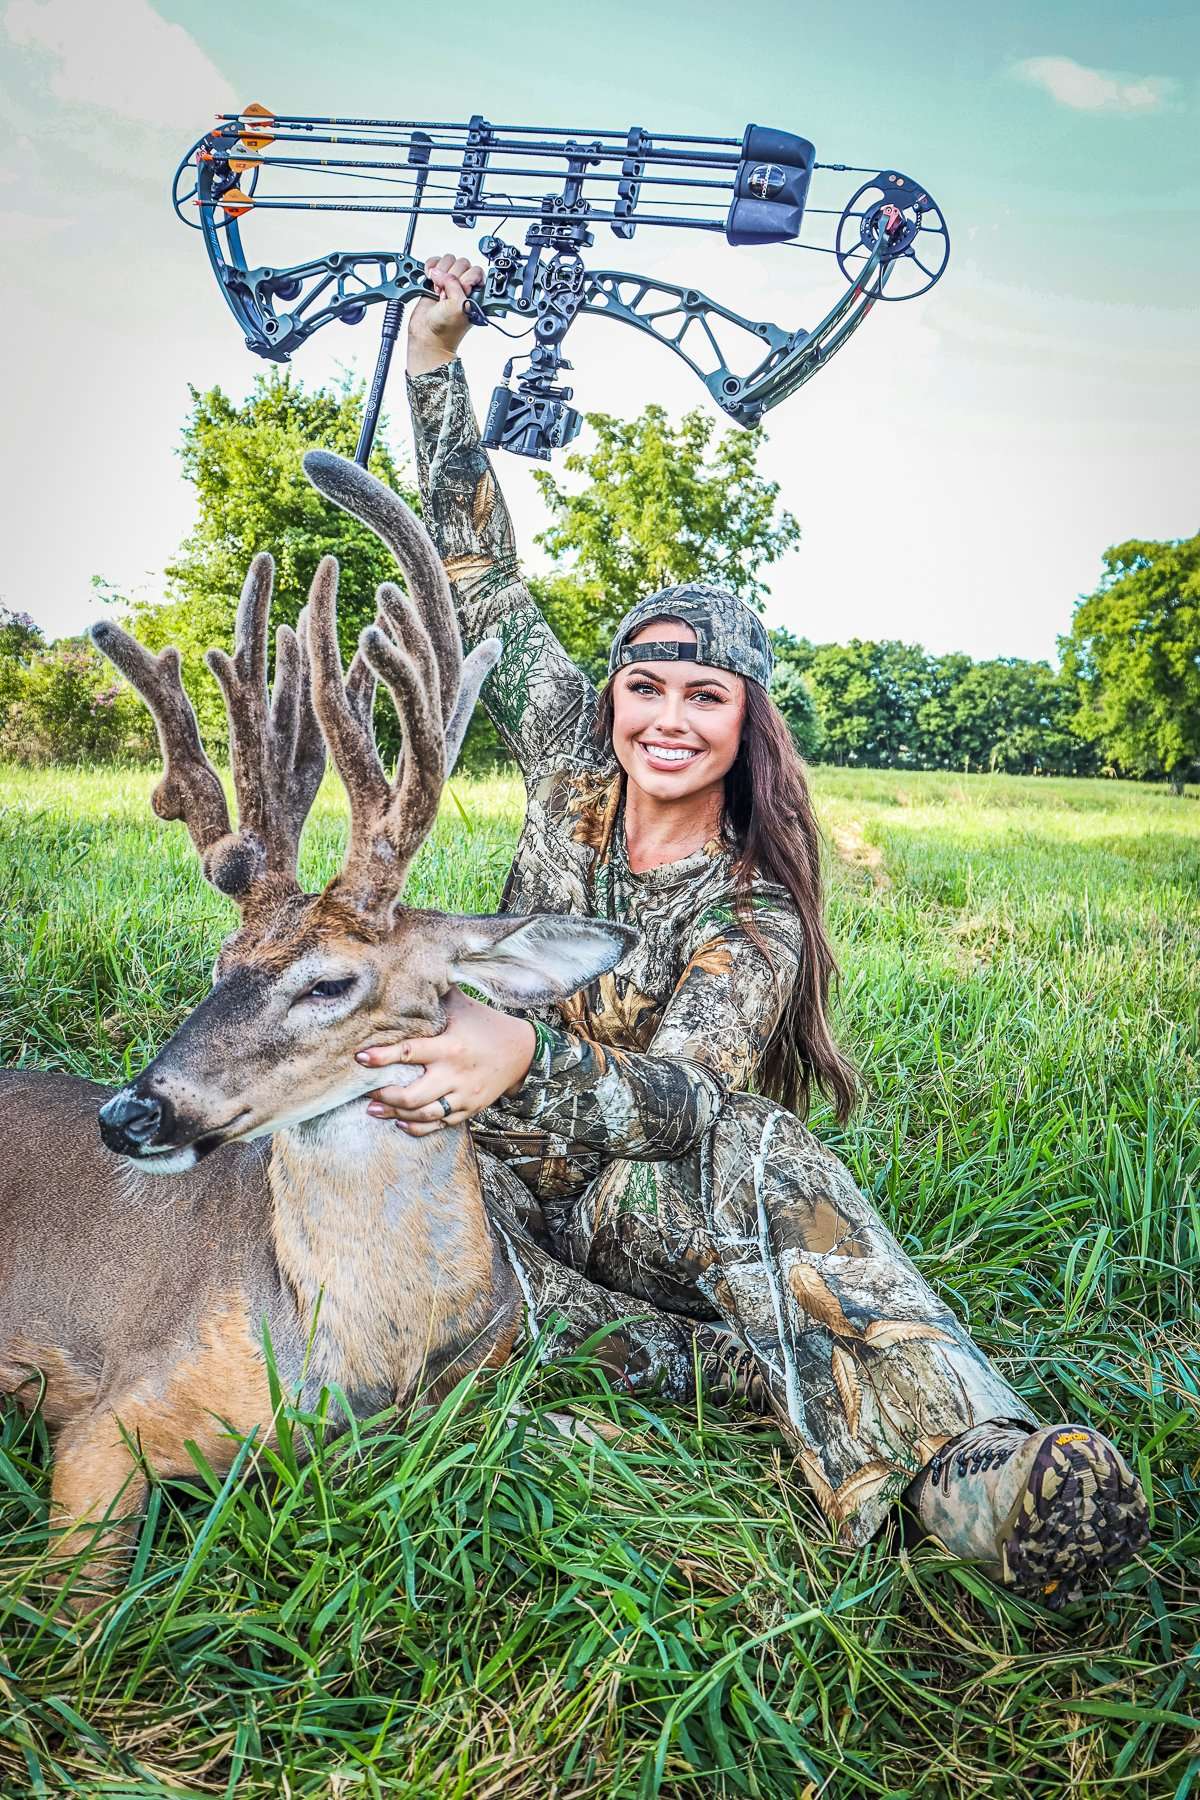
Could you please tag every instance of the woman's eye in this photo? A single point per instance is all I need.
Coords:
(642, 687)
(705, 695)
(329, 990)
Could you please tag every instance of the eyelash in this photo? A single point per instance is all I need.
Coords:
(334, 988)
(647, 687)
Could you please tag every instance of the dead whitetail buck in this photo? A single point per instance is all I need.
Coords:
(238, 1182)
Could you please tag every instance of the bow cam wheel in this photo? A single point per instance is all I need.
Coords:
(892, 209)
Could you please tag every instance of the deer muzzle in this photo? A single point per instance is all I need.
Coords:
(150, 1130)
(131, 1123)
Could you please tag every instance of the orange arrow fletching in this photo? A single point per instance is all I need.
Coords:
(260, 120)
(235, 202)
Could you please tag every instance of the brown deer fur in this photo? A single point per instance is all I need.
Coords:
(252, 1193)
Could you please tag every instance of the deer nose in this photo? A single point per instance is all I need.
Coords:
(130, 1120)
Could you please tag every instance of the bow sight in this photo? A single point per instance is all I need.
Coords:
(889, 240)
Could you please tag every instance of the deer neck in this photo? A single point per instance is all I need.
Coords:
(385, 1243)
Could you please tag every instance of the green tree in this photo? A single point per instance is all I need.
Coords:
(244, 462)
(65, 705)
(842, 680)
(1017, 716)
(1134, 652)
(892, 705)
(20, 636)
(654, 488)
(792, 694)
(906, 686)
(20, 641)
(869, 696)
(936, 745)
(662, 504)
(573, 608)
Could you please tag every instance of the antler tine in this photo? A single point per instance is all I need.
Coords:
(276, 748)
(275, 744)
(294, 724)
(360, 494)
(190, 788)
(343, 708)
(405, 663)
(360, 689)
(396, 617)
(475, 671)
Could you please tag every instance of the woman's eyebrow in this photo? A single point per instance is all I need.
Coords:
(704, 681)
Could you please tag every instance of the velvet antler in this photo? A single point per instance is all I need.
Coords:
(414, 649)
(275, 744)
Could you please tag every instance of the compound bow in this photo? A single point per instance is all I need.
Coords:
(890, 242)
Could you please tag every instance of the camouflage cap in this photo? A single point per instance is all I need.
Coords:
(728, 634)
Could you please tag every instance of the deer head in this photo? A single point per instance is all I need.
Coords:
(308, 979)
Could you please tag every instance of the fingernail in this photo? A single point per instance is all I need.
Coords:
(375, 1109)
(362, 1056)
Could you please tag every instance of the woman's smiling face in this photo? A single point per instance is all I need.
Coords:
(676, 725)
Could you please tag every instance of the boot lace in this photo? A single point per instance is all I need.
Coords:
(990, 1451)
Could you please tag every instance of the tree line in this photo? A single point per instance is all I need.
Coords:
(890, 705)
(650, 503)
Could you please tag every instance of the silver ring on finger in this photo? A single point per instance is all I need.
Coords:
(445, 1105)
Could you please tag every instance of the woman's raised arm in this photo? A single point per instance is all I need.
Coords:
(540, 702)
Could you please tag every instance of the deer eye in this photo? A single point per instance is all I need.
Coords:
(329, 990)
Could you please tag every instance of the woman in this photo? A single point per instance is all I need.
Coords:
(632, 1176)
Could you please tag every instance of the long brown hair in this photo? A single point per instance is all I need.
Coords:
(769, 814)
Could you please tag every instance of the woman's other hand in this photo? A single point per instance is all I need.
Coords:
(479, 1056)
(436, 327)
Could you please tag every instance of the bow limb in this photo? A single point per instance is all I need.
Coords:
(677, 317)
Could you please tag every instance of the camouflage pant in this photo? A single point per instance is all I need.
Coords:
(758, 1241)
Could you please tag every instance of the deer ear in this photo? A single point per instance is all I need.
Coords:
(532, 961)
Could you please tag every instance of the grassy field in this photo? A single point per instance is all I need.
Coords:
(451, 1605)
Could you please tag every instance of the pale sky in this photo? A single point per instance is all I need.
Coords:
(957, 470)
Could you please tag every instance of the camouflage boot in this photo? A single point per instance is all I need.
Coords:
(1047, 1512)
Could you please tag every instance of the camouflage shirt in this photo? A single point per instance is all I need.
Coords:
(638, 1064)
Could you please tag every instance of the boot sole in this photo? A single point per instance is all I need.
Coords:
(1082, 1514)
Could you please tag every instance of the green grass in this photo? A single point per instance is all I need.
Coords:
(456, 1605)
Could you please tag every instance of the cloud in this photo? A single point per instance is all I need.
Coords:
(120, 56)
(1094, 90)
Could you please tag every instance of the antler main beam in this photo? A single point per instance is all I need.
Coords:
(415, 650)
